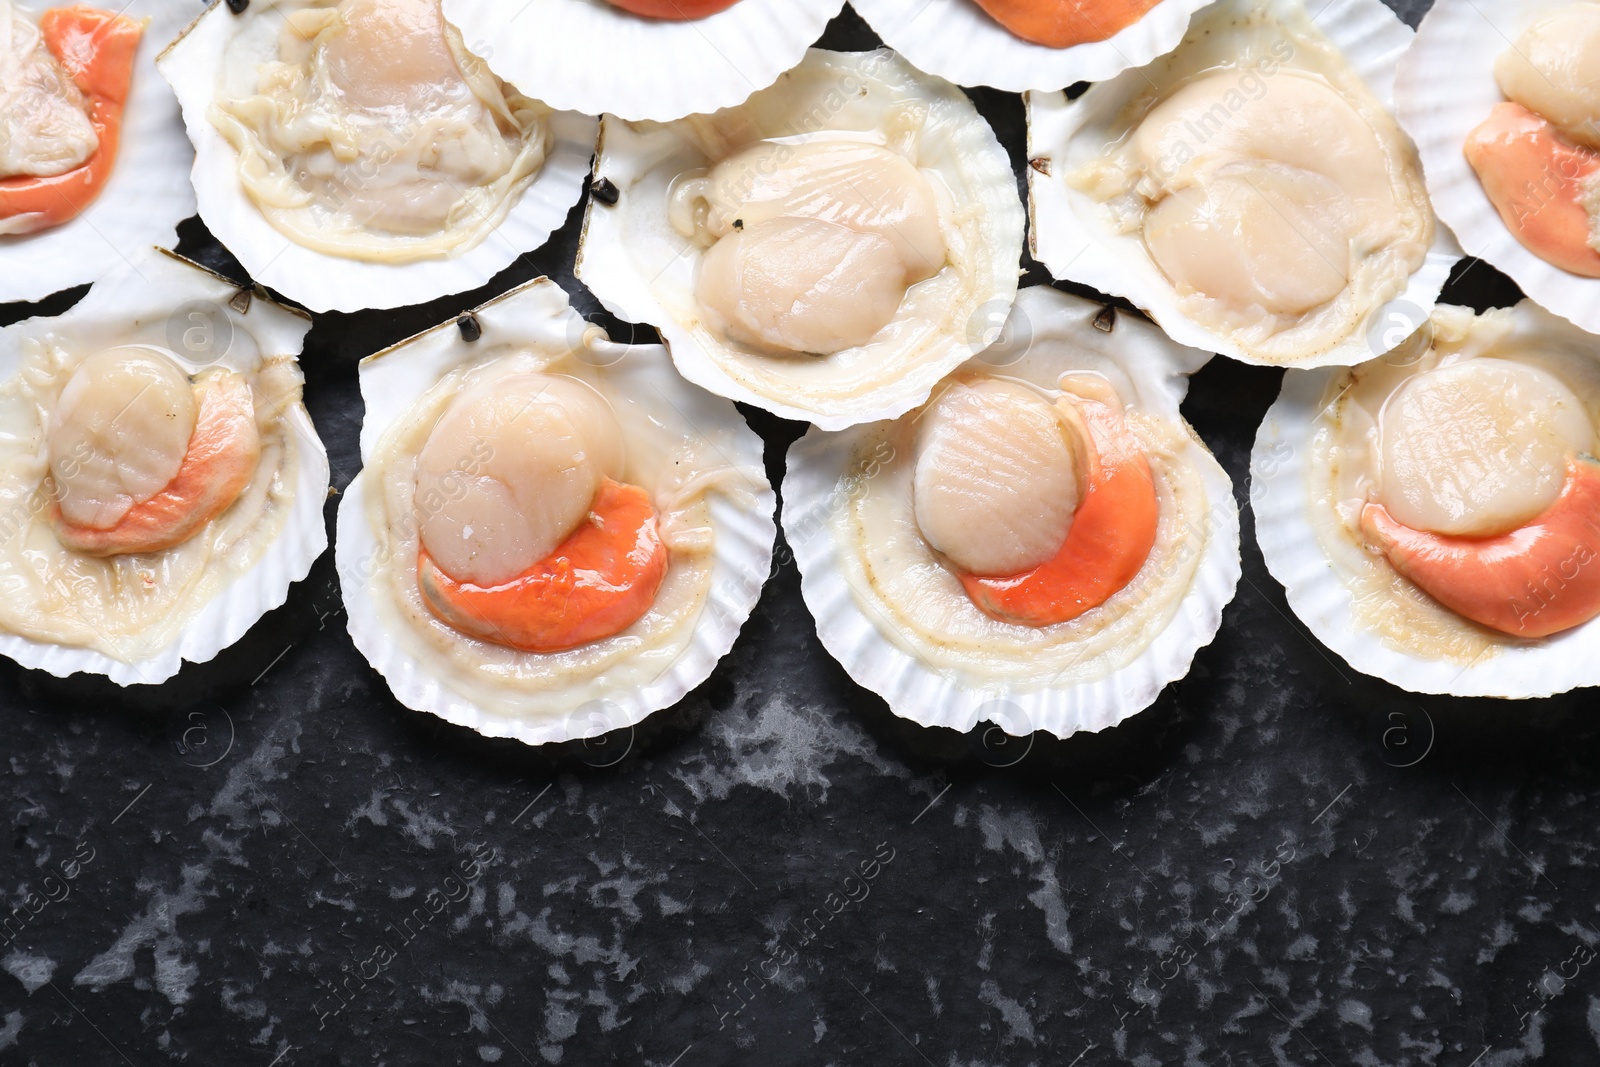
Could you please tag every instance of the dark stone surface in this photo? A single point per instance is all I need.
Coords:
(264, 828)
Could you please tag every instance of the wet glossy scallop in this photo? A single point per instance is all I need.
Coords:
(813, 244)
(1478, 448)
(1554, 70)
(119, 433)
(44, 118)
(997, 477)
(1280, 189)
(510, 470)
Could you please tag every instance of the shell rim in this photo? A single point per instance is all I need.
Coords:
(1072, 250)
(912, 688)
(1280, 502)
(699, 368)
(749, 528)
(201, 640)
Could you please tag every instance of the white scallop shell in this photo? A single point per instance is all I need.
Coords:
(193, 65)
(1279, 473)
(538, 313)
(1070, 234)
(136, 304)
(643, 271)
(1445, 89)
(1049, 333)
(958, 40)
(585, 55)
(147, 194)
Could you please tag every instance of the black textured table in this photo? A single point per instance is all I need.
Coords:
(1281, 862)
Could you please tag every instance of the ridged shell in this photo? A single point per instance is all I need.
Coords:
(147, 194)
(956, 39)
(643, 271)
(538, 314)
(322, 282)
(587, 56)
(1445, 89)
(1071, 236)
(1050, 333)
(135, 304)
(1280, 499)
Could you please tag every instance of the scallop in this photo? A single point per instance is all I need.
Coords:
(1500, 101)
(45, 128)
(834, 274)
(367, 136)
(119, 433)
(1535, 153)
(552, 535)
(93, 158)
(1553, 69)
(811, 247)
(996, 480)
(1435, 518)
(1045, 544)
(799, 286)
(1478, 448)
(513, 469)
(161, 486)
(1251, 189)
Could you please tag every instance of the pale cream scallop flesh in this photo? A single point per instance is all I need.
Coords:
(119, 433)
(1554, 71)
(44, 118)
(812, 246)
(1478, 448)
(510, 470)
(998, 477)
(1267, 209)
(386, 76)
(142, 455)
(367, 130)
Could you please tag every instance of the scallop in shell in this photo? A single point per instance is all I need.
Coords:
(161, 485)
(553, 535)
(1435, 514)
(1511, 85)
(1250, 190)
(92, 147)
(1087, 41)
(355, 154)
(599, 57)
(1045, 544)
(827, 250)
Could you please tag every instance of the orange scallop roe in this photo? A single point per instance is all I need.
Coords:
(1111, 535)
(96, 49)
(1064, 23)
(1534, 581)
(674, 10)
(1536, 180)
(596, 583)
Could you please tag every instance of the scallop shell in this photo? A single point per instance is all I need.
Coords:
(1445, 89)
(193, 64)
(642, 271)
(1071, 237)
(144, 199)
(587, 56)
(145, 301)
(958, 40)
(1049, 333)
(1279, 473)
(538, 314)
